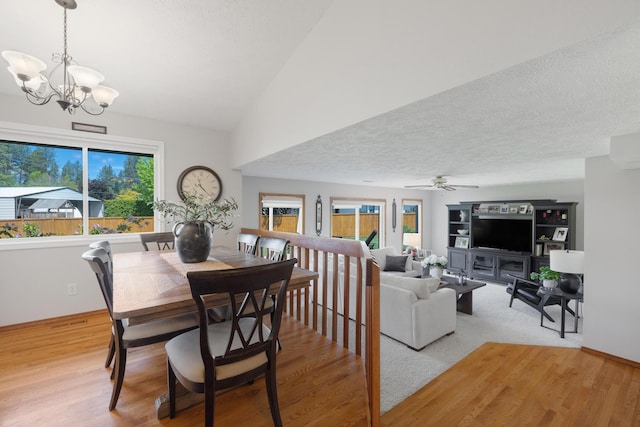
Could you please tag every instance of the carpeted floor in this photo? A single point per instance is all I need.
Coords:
(404, 371)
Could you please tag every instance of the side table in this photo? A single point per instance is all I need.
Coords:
(564, 301)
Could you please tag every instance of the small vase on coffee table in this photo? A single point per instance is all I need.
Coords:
(435, 272)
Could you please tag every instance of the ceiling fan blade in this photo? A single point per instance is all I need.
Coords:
(419, 186)
(464, 186)
(448, 187)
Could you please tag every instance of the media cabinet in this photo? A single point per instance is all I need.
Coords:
(493, 239)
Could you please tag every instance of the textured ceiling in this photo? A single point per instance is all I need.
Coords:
(533, 122)
(204, 62)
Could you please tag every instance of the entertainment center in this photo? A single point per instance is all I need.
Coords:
(492, 240)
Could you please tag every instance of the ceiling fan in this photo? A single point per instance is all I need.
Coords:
(440, 183)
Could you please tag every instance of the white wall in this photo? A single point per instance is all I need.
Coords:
(33, 282)
(252, 186)
(368, 57)
(612, 284)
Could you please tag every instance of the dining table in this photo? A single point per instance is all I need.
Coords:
(152, 285)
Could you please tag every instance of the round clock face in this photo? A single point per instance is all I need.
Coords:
(200, 181)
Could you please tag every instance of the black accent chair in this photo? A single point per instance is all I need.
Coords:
(370, 238)
(527, 292)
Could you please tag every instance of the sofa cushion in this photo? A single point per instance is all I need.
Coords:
(395, 263)
(421, 287)
(380, 255)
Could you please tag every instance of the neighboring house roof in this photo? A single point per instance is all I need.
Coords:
(56, 193)
(45, 198)
(24, 191)
(51, 204)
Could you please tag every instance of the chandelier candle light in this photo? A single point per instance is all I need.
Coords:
(78, 84)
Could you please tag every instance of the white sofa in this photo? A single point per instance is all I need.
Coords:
(409, 269)
(414, 312)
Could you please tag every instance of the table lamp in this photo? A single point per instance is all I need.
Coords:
(570, 265)
(412, 241)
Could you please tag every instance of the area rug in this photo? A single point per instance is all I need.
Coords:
(404, 371)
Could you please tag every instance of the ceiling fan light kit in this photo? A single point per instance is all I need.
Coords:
(440, 183)
(78, 84)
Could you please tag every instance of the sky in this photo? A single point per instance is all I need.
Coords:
(97, 159)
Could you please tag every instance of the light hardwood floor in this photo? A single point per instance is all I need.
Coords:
(519, 385)
(52, 374)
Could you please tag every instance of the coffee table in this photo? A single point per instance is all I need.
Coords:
(464, 292)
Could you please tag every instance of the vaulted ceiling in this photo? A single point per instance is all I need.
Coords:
(203, 63)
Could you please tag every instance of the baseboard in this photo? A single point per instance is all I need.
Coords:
(612, 357)
(62, 320)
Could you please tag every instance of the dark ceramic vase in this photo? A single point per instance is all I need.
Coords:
(193, 240)
(569, 283)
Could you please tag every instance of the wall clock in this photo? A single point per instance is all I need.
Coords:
(200, 181)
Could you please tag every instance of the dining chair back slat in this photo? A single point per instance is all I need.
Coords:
(248, 243)
(162, 241)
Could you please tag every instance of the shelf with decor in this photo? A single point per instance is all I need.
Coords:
(459, 226)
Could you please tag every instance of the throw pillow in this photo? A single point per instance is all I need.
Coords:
(380, 255)
(416, 285)
(395, 263)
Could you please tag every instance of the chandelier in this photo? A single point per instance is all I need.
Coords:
(79, 86)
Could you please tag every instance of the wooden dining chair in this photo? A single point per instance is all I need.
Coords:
(126, 336)
(163, 241)
(247, 243)
(104, 244)
(272, 248)
(222, 355)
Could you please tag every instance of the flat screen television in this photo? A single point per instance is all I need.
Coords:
(508, 234)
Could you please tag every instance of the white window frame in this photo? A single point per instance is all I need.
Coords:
(412, 202)
(356, 204)
(85, 140)
(273, 200)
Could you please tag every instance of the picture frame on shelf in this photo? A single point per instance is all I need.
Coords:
(560, 234)
(462, 242)
(523, 209)
(513, 210)
(493, 209)
(504, 208)
(552, 246)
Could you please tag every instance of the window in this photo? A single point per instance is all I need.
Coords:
(411, 224)
(357, 219)
(70, 184)
(282, 212)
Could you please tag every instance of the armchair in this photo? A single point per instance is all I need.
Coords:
(527, 292)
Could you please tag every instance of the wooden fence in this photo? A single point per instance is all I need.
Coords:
(71, 226)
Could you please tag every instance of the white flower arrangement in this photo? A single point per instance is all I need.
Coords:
(435, 261)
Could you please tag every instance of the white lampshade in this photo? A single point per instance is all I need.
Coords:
(33, 84)
(84, 76)
(104, 95)
(413, 240)
(23, 66)
(567, 261)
